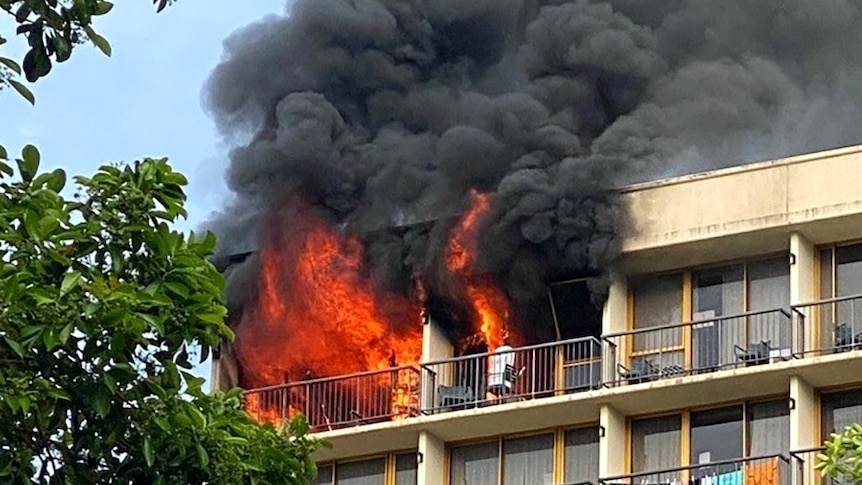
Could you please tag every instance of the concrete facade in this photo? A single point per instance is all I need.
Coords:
(791, 208)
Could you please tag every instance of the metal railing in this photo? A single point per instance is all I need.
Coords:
(747, 339)
(336, 402)
(835, 324)
(513, 375)
(764, 470)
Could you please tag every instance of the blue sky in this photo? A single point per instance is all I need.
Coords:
(144, 101)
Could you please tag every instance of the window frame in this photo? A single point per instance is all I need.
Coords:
(389, 464)
(557, 451)
(685, 427)
(687, 303)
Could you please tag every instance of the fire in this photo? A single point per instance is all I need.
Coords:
(318, 314)
(489, 303)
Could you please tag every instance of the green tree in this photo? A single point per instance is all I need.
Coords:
(842, 459)
(53, 28)
(103, 308)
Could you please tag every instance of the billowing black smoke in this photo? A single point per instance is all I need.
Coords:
(386, 112)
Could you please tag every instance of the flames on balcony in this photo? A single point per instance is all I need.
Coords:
(319, 313)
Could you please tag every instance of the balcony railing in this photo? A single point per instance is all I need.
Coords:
(703, 346)
(838, 322)
(336, 402)
(514, 375)
(765, 470)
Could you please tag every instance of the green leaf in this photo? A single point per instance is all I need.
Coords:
(3, 154)
(148, 452)
(28, 164)
(65, 333)
(57, 180)
(99, 41)
(15, 346)
(5, 168)
(10, 64)
(23, 91)
(103, 7)
(70, 282)
(203, 457)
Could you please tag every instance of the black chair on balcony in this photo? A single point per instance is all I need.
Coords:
(757, 353)
(456, 397)
(845, 339)
(642, 370)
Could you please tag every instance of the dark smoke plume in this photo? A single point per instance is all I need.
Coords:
(386, 112)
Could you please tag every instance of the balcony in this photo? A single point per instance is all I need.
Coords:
(337, 402)
(839, 321)
(766, 470)
(514, 375)
(744, 340)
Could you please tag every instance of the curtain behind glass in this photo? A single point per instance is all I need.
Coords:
(324, 476)
(769, 289)
(528, 460)
(582, 456)
(475, 464)
(768, 428)
(848, 282)
(405, 469)
(368, 472)
(656, 443)
(657, 302)
(826, 316)
(839, 410)
(718, 292)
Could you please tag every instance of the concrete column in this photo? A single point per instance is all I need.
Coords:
(224, 370)
(802, 286)
(435, 344)
(616, 309)
(612, 443)
(803, 426)
(432, 451)
(614, 320)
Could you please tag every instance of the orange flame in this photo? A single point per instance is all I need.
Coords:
(318, 314)
(490, 305)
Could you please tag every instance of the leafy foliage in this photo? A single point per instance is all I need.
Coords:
(101, 305)
(842, 459)
(52, 28)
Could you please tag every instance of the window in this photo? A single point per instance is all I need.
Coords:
(768, 428)
(406, 469)
(656, 443)
(528, 460)
(581, 456)
(841, 276)
(563, 456)
(747, 430)
(735, 309)
(373, 471)
(839, 410)
(475, 464)
(368, 472)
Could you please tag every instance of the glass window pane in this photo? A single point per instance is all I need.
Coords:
(718, 292)
(528, 460)
(405, 469)
(475, 464)
(716, 435)
(848, 282)
(769, 284)
(368, 472)
(768, 428)
(324, 476)
(658, 302)
(656, 444)
(769, 289)
(826, 274)
(839, 410)
(581, 462)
